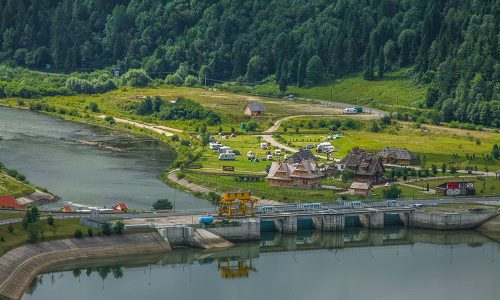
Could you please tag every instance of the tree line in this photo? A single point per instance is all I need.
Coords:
(450, 45)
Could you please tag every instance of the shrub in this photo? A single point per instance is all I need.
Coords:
(119, 227)
(50, 220)
(33, 233)
(162, 204)
(393, 192)
(110, 120)
(10, 228)
(191, 81)
(135, 78)
(92, 106)
(78, 233)
(173, 79)
(175, 138)
(106, 229)
(90, 232)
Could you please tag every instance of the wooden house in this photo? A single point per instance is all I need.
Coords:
(304, 174)
(254, 109)
(362, 189)
(367, 167)
(400, 156)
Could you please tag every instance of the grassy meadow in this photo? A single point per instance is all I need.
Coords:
(63, 229)
(436, 144)
(11, 186)
(396, 89)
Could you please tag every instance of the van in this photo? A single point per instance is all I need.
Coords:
(350, 110)
(224, 149)
(215, 145)
(320, 147)
(277, 152)
(328, 150)
(226, 156)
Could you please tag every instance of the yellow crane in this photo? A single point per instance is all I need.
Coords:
(237, 204)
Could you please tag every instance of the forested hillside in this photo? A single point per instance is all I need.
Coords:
(451, 45)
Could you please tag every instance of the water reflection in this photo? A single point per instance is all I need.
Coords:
(381, 255)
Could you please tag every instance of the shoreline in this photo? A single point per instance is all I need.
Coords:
(21, 265)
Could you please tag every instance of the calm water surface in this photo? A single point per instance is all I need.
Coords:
(46, 151)
(404, 265)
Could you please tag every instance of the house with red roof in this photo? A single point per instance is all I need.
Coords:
(121, 207)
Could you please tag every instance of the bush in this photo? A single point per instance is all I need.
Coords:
(90, 232)
(50, 220)
(33, 233)
(92, 106)
(119, 227)
(162, 204)
(110, 120)
(10, 228)
(175, 138)
(106, 229)
(191, 81)
(173, 79)
(393, 192)
(135, 78)
(78, 233)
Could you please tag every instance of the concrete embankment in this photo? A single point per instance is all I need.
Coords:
(37, 197)
(19, 266)
(449, 221)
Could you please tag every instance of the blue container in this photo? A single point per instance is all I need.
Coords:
(206, 220)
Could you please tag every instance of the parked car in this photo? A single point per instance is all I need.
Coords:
(215, 145)
(277, 152)
(350, 110)
(250, 154)
(269, 157)
(308, 147)
(320, 147)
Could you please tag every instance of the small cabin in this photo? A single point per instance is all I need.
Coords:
(362, 189)
(121, 207)
(254, 109)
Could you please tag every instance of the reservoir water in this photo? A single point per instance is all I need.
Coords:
(65, 158)
(393, 264)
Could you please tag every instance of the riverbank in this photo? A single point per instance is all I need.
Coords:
(19, 266)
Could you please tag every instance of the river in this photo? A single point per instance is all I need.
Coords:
(404, 264)
(56, 154)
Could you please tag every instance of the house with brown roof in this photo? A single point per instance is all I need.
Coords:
(304, 174)
(362, 189)
(254, 109)
(297, 157)
(367, 167)
(401, 156)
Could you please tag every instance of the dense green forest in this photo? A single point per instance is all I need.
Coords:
(451, 46)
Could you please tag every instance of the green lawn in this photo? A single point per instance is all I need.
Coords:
(261, 189)
(13, 215)
(230, 106)
(11, 186)
(483, 185)
(244, 143)
(436, 144)
(64, 228)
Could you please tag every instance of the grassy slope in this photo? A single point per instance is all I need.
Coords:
(64, 228)
(395, 89)
(437, 144)
(11, 186)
